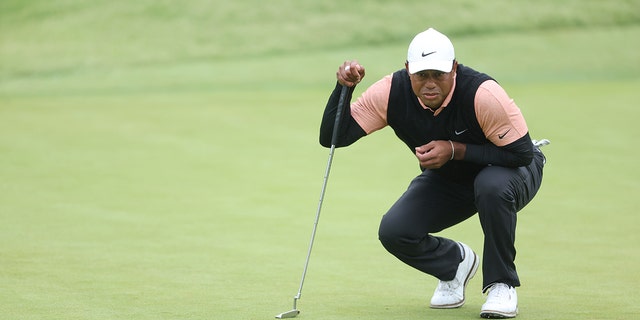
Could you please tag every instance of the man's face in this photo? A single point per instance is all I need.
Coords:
(433, 86)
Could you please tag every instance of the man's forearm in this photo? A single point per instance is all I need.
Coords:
(349, 130)
(517, 154)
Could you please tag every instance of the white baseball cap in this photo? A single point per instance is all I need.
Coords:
(430, 50)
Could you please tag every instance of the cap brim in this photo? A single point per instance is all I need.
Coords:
(417, 66)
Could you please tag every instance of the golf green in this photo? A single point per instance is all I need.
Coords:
(161, 160)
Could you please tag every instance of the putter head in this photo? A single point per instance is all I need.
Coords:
(289, 314)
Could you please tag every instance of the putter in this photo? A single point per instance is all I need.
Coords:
(294, 312)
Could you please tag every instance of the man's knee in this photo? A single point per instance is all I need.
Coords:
(494, 184)
(394, 235)
(388, 232)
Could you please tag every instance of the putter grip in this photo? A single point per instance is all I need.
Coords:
(336, 124)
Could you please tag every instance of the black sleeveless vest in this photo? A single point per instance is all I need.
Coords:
(416, 126)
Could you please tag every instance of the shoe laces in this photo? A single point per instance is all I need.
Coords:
(499, 290)
(448, 286)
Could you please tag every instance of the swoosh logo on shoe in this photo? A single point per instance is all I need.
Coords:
(500, 136)
(426, 54)
(460, 132)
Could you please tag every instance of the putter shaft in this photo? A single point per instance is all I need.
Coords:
(334, 137)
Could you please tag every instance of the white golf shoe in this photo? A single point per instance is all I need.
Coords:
(450, 294)
(502, 302)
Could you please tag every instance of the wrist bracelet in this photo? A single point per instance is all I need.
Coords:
(453, 150)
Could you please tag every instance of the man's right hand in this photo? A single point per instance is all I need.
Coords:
(350, 73)
(436, 154)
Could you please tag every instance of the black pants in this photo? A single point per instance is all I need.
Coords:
(433, 203)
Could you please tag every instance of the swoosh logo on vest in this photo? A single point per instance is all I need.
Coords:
(460, 132)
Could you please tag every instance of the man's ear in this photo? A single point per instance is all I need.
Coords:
(406, 66)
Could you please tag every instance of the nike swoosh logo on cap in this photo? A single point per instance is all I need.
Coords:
(426, 54)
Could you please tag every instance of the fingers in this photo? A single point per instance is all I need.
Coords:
(425, 148)
(422, 149)
(350, 73)
(433, 154)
